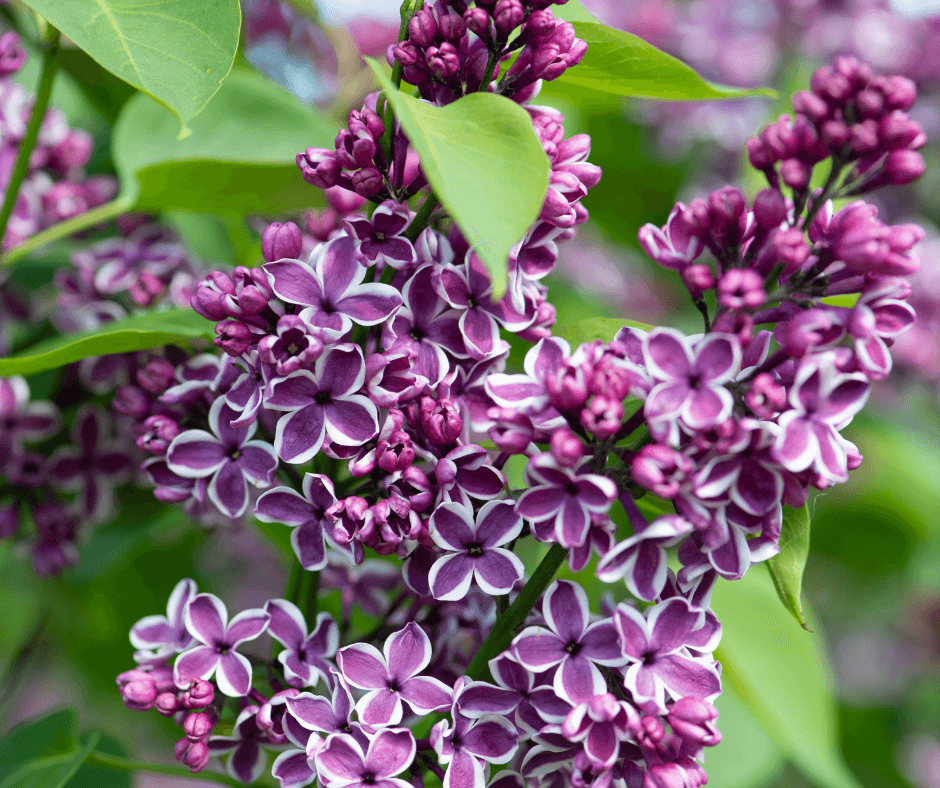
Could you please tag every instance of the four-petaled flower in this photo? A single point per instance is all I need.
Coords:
(158, 637)
(342, 763)
(304, 658)
(380, 239)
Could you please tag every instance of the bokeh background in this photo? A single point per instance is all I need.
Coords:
(873, 578)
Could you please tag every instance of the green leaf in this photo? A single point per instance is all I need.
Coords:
(45, 753)
(177, 51)
(596, 328)
(746, 757)
(782, 679)
(142, 332)
(786, 568)
(89, 776)
(626, 65)
(239, 159)
(485, 164)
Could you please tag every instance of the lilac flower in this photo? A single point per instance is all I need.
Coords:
(304, 658)
(566, 497)
(158, 637)
(331, 288)
(466, 744)
(22, 421)
(227, 456)
(673, 246)
(527, 392)
(321, 403)
(94, 465)
(207, 620)
(306, 513)
(294, 346)
(464, 473)
(602, 723)
(655, 646)
(571, 642)
(316, 713)
(341, 762)
(393, 677)
(474, 550)
(247, 761)
(689, 377)
(823, 401)
(380, 239)
(536, 704)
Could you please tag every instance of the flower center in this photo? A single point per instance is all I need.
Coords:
(573, 648)
(378, 236)
(234, 453)
(368, 778)
(475, 550)
(322, 398)
(649, 658)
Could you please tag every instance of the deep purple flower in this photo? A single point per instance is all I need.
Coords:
(158, 637)
(571, 642)
(473, 549)
(465, 473)
(227, 456)
(295, 346)
(380, 240)
(655, 646)
(207, 620)
(247, 761)
(465, 745)
(565, 496)
(341, 762)
(304, 658)
(331, 287)
(393, 677)
(537, 704)
(306, 513)
(602, 723)
(22, 421)
(323, 402)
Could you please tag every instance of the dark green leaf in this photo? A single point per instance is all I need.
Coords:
(597, 328)
(626, 65)
(786, 568)
(177, 51)
(89, 776)
(277, 535)
(142, 332)
(485, 164)
(240, 157)
(782, 678)
(45, 753)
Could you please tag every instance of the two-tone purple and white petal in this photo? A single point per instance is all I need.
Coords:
(306, 513)
(158, 637)
(341, 762)
(466, 745)
(380, 240)
(247, 760)
(305, 656)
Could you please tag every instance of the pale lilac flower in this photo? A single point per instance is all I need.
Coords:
(392, 677)
(331, 287)
(380, 238)
(158, 637)
(323, 403)
(655, 646)
(341, 762)
(473, 549)
(206, 619)
(565, 497)
(226, 456)
(571, 642)
(304, 658)
(306, 513)
(247, 761)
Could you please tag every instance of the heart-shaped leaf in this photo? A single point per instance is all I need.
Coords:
(626, 65)
(177, 51)
(142, 332)
(786, 568)
(485, 164)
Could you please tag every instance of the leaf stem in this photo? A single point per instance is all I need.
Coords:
(50, 64)
(106, 761)
(506, 625)
(421, 219)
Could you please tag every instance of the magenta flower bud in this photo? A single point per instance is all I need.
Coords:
(451, 26)
(770, 209)
(195, 755)
(280, 241)
(602, 416)
(692, 719)
(73, 151)
(367, 181)
(9, 520)
(508, 15)
(477, 20)
(233, 336)
(167, 704)
(766, 397)
(12, 55)
(159, 432)
(131, 401)
(407, 53)
(870, 103)
(440, 420)
(665, 775)
(897, 130)
(863, 137)
(698, 279)
(567, 447)
(810, 105)
(207, 302)
(512, 432)
(422, 28)
(899, 92)
(319, 167)
(576, 54)
(443, 61)
(569, 388)
(563, 36)
(198, 725)
(541, 23)
(830, 85)
(157, 376)
(795, 173)
(661, 469)
(902, 167)
(138, 689)
(741, 288)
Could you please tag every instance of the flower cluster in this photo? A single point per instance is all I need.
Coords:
(56, 187)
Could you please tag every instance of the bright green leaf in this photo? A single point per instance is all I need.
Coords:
(485, 164)
(177, 51)
(781, 676)
(786, 568)
(597, 328)
(240, 157)
(142, 332)
(623, 64)
(746, 757)
(45, 753)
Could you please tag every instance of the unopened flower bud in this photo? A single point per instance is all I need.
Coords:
(766, 397)
(440, 420)
(567, 447)
(9, 521)
(698, 278)
(198, 725)
(319, 167)
(138, 689)
(795, 173)
(741, 288)
(477, 20)
(157, 376)
(451, 26)
(233, 337)
(280, 241)
(159, 432)
(131, 401)
(422, 28)
(541, 22)
(12, 55)
(508, 15)
(512, 431)
(770, 209)
(367, 181)
(692, 719)
(167, 704)
(195, 755)
(407, 53)
(903, 166)
(810, 105)
(899, 92)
